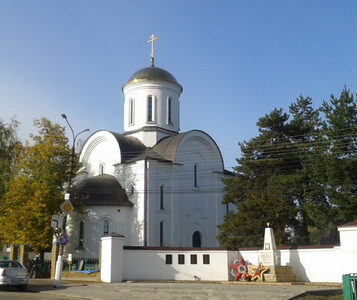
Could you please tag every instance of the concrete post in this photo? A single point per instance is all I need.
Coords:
(24, 255)
(54, 255)
(112, 258)
(13, 252)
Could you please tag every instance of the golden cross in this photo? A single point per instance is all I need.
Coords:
(151, 40)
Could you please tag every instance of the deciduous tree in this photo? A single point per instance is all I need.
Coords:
(35, 191)
(8, 143)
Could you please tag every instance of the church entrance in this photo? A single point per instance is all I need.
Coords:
(196, 239)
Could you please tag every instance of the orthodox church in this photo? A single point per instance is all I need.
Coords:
(155, 185)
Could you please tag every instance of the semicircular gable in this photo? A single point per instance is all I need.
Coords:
(176, 147)
(101, 145)
(108, 148)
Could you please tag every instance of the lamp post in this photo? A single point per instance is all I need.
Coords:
(59, 263)
(74, 137)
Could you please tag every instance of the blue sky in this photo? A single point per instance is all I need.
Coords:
(236, 60)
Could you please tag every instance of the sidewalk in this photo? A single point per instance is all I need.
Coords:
(192, 290)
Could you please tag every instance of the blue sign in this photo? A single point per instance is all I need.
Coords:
(63, 239)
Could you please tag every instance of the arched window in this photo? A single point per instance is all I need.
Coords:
(101, 169)
(131, 190)
(196, 239)
(169, 111)
(150, 108)
(195, 170)
(161, 233)
(131, 111)
(81, 235)
(162, 197)
(105, 227)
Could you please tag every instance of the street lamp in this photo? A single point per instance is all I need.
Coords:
(74, 137)
(59, 263)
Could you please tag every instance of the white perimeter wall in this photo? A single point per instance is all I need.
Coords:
(310, 265)
(325, 264)
(151, 265)
(314, 265)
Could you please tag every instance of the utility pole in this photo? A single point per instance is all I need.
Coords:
(66, 207)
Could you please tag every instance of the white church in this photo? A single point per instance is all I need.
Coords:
(153, 184)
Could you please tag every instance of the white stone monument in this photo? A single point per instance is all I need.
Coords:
(269, 255)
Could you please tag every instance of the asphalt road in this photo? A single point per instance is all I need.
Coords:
(11, 293)
(43, 290)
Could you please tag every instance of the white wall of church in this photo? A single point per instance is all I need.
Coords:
(160, 174)
(132, 175)
(189, 205)
(94, 218)
(149, 138)
(196, 149)
(121, 219)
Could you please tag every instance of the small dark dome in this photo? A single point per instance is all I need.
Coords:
(152, 74)
(101, 190)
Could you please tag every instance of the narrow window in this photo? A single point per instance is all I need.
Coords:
(106, 227)
(162, 197)
(206, 259)
(169, 109)
(161, 233)
(150, 116)
(181, 259)
(81, 234)
(196, 239)
(168, 259)
(193, 259)
(131, 190)
(131, 111)
(101, 169)
(195, 168)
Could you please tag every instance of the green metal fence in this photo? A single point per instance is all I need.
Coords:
(81, 263)
(349, 282)
(40, 269)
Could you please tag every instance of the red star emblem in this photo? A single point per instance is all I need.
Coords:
(238, 269)
(259, 271)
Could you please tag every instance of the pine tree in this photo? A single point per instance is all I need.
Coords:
(340, 163)
(255, 189)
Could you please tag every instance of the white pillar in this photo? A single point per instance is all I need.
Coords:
(112, 258)
(348, 235)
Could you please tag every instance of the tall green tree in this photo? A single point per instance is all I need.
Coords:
(313, 208)
(340, 161)
(35, 191)
(254, 189)
(302, 169)
(8, 143)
